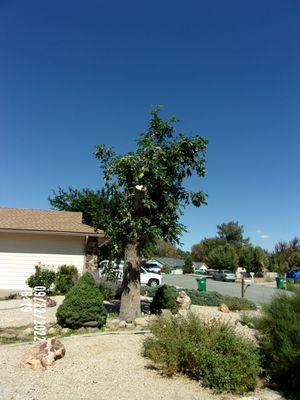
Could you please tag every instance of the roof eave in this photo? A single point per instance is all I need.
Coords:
(45, 232)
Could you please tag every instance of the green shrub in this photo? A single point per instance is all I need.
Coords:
(43, 276)
(109, 289)
(164, 298)
(167, 269)
(238, 304)
(212, 299)
(65, 278)
(83, 303)
(110, 273)
(188, 267)
(280, 339)
(148, 290)
(211, 353)
(249, 320)
(11, 296)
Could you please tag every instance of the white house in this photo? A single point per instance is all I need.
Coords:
(52, 238)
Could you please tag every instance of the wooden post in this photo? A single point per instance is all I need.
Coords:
(242, 287)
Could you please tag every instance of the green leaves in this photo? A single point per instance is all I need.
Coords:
(149, 183)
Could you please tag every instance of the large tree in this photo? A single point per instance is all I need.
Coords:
(200, 251)
(223, 257)
(161, 248)
(287, 252)
(148, 187)
(253, 259)
(96, 207)
(232, 232)
(94, 204)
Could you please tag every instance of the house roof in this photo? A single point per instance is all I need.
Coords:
(44, 221)
(173, 262)
(200, 265)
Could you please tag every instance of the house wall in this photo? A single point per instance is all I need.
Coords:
(20, 252)
(177, 271)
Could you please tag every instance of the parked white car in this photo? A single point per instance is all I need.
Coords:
(152, 266)
(147, 278)
(150, 278)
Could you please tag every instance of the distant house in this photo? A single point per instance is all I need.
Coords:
(52, 238)
(175, 263)
(200, 266)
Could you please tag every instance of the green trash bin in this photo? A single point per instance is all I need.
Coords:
(201, 284)
(289, 283)
(280, 282)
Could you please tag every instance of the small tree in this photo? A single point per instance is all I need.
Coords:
(83, 303)
(164, 298)
(147, 188)
(188, 267)
(232, 232)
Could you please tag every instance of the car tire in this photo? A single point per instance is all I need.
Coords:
(153, 282)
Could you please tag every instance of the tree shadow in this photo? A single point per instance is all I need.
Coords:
(114, 306)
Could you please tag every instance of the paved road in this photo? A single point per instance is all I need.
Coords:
(257, 293)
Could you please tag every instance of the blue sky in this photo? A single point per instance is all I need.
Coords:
(76, 74)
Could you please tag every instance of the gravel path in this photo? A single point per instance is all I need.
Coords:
(11, 314)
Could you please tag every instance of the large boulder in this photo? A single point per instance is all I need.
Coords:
(183, 301)
(42, 355)
(223, 308)
(50, 302)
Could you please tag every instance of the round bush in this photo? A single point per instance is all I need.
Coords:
(164, 299)
(42, 277)
(83, 303)
(65, 278)
(210, 353)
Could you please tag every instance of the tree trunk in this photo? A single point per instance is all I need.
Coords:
(130, 298)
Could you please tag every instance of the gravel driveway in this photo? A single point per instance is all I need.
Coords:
(99, 367)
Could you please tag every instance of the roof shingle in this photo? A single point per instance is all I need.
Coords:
(44, 220)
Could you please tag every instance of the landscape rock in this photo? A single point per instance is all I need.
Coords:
(7, 335)
(81, 330)
(92, 324)
(94, 329)
(42, 355)
(223, 308)
(151, 319)
(50, 302)
(183, 301)
(28, 332)
(65, 330)
(52, 331)
(112, 323)
(183, 313)
(122, 324)
(130, 325)
(141, 322)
